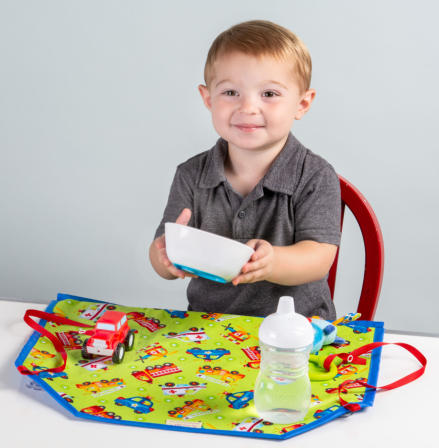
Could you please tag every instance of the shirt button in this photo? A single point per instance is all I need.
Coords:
(241, 214)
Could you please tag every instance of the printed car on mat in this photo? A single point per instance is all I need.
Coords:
(239, 400)
(140, 405)
(208, 355)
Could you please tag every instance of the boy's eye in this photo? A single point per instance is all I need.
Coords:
(269, 94)
(230, 93)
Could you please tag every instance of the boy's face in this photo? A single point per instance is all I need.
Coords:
(254, 101)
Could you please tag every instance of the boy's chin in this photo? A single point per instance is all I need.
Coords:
(254, 147)
(255, 144)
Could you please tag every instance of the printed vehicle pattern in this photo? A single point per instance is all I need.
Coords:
(184, 367)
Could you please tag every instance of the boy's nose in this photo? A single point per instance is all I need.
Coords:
(248, 105)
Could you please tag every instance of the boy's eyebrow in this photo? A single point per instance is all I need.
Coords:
(276, 82)
(264, 82)
(221, 82)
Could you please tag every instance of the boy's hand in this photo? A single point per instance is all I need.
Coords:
(260, 265)
(160, 245)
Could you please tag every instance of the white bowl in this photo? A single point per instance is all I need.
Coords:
(205, 254)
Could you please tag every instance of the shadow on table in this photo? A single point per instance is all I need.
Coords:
(26, 386)
(11, 379)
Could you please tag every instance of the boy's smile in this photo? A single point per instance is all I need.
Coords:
(254, 101)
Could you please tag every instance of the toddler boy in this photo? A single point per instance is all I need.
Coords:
(258, 184)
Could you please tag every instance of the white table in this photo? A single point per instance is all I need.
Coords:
(404, 417)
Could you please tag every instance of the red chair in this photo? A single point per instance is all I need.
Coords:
(373, 249)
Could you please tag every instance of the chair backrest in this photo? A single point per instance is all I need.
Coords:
(373, 249)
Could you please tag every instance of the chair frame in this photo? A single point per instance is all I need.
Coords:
(352, 198)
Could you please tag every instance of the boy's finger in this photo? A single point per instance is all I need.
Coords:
(164, 259)
(184, 217)
(255, 256)
(252, 243)
(245, 278)
(178, 272)
(174, 271)
(253, 266)
(160, 242)
(255, 263)
(261, 251)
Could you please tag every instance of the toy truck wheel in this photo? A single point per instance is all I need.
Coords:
(84, 351)
(129, 341)
(119, 353)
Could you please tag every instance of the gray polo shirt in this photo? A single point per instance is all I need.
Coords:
(298, 199)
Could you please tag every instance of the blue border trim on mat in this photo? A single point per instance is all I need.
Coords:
(369, 395)
(367, 401)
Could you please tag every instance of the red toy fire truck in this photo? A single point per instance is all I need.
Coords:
(111, 337)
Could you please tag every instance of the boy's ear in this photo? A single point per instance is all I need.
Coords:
(305, 103)
(204, 92)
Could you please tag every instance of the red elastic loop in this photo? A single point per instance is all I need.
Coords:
(56, 343)
(353, 407)
(327, 362)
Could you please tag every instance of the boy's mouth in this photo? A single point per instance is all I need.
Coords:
(247, 127)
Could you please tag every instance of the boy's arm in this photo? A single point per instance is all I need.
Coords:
(303, 262)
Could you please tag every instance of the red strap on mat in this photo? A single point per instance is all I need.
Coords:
(57, 344)
(352, 357)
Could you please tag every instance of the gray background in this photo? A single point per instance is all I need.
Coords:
(96, 98)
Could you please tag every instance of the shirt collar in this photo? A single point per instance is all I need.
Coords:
(279, 177)
(213, 172)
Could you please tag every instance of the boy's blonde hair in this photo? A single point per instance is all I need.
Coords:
(262, 38)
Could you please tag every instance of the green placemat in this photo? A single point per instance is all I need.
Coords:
(188, 371)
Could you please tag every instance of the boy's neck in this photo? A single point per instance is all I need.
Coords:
(245, 168)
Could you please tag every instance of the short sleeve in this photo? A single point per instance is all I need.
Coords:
(180, 197)
(318, 207)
